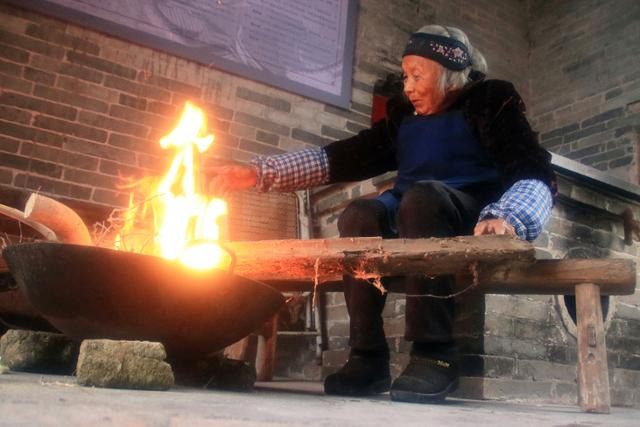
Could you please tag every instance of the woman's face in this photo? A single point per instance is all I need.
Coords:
(421, 77)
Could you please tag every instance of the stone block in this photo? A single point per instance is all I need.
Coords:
(35, 351)
(541, 370)
(124, 364)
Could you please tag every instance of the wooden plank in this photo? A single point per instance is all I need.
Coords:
(544, 277)
(328, 259)
(266, 353)
(593, 376)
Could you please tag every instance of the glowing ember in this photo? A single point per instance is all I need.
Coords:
(185, 222)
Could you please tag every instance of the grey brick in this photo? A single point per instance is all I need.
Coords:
(138, 117)
(45, 168)
(9, 145)
(6, 176)
(613, 93)
(261, 123)
(618, 163)
(15, 115)
(269, 101)
(13, 161)
(355, 84)
(604, 156)
(137, 89)
(111, 124)
(69, 98)
(602, 117)
(31, 45)
(349, 115)
(582, 63)
(559, 131)
(118, 169)
(111, 198)
(100, 150)
(226, 140)
(46, 185)
(81, 73)
(154, 163)
(14, 54)
(132, 143)
(334, 133)
(162, 108)
(50, 34)
(258, 148)
(304, 136)
(218, 112)
(269, 138)
(188, 90)
(35, 104)
(90, 178)
(622, 130)
(133, 102)
(101, 64)
(361, 108)
(39, 76)
(355, 128)
(584, 132)
(578, 154)
(10, 68)
(58, 156)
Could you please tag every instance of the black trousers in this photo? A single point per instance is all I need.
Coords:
(427, 209)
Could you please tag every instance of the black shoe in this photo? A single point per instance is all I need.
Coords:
(365, 373)
(425, 380)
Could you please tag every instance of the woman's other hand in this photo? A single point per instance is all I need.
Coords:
(222, 180)
(494, 226)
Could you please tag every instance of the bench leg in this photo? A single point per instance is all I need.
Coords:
(593, 375)
(266, 352)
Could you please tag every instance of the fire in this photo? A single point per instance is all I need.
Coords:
(185, 222)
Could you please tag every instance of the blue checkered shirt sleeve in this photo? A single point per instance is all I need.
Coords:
(526, 205)
(292, 171)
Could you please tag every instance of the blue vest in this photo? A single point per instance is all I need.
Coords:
(438, 148)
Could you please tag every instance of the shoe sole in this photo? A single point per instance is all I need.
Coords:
(379, 387)
(415, 397)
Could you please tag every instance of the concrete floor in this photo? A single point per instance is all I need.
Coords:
(45, 400)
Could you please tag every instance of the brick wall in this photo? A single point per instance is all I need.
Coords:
(80, 110)
(529, 344)
(585, 81)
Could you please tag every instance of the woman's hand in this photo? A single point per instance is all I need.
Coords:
(225, 179)
(494, 226)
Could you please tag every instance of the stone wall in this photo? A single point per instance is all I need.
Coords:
(585, 81)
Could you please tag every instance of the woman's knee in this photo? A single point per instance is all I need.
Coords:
(362, 218)
(425, 197)
(426, 210)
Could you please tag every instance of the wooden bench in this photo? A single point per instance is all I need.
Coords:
(491, 264)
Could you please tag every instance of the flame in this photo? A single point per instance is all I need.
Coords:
(185, 222)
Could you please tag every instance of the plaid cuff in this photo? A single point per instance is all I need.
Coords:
(526, 206)
(292, 171)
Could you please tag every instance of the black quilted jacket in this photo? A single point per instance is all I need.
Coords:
(495, 113)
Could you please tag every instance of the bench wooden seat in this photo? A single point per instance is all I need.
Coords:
(494, 264)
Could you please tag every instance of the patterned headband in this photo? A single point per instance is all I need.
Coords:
(447, 51)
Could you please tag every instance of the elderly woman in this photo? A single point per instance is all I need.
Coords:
(468, 163)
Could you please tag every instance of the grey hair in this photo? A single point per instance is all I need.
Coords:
(451, 79)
